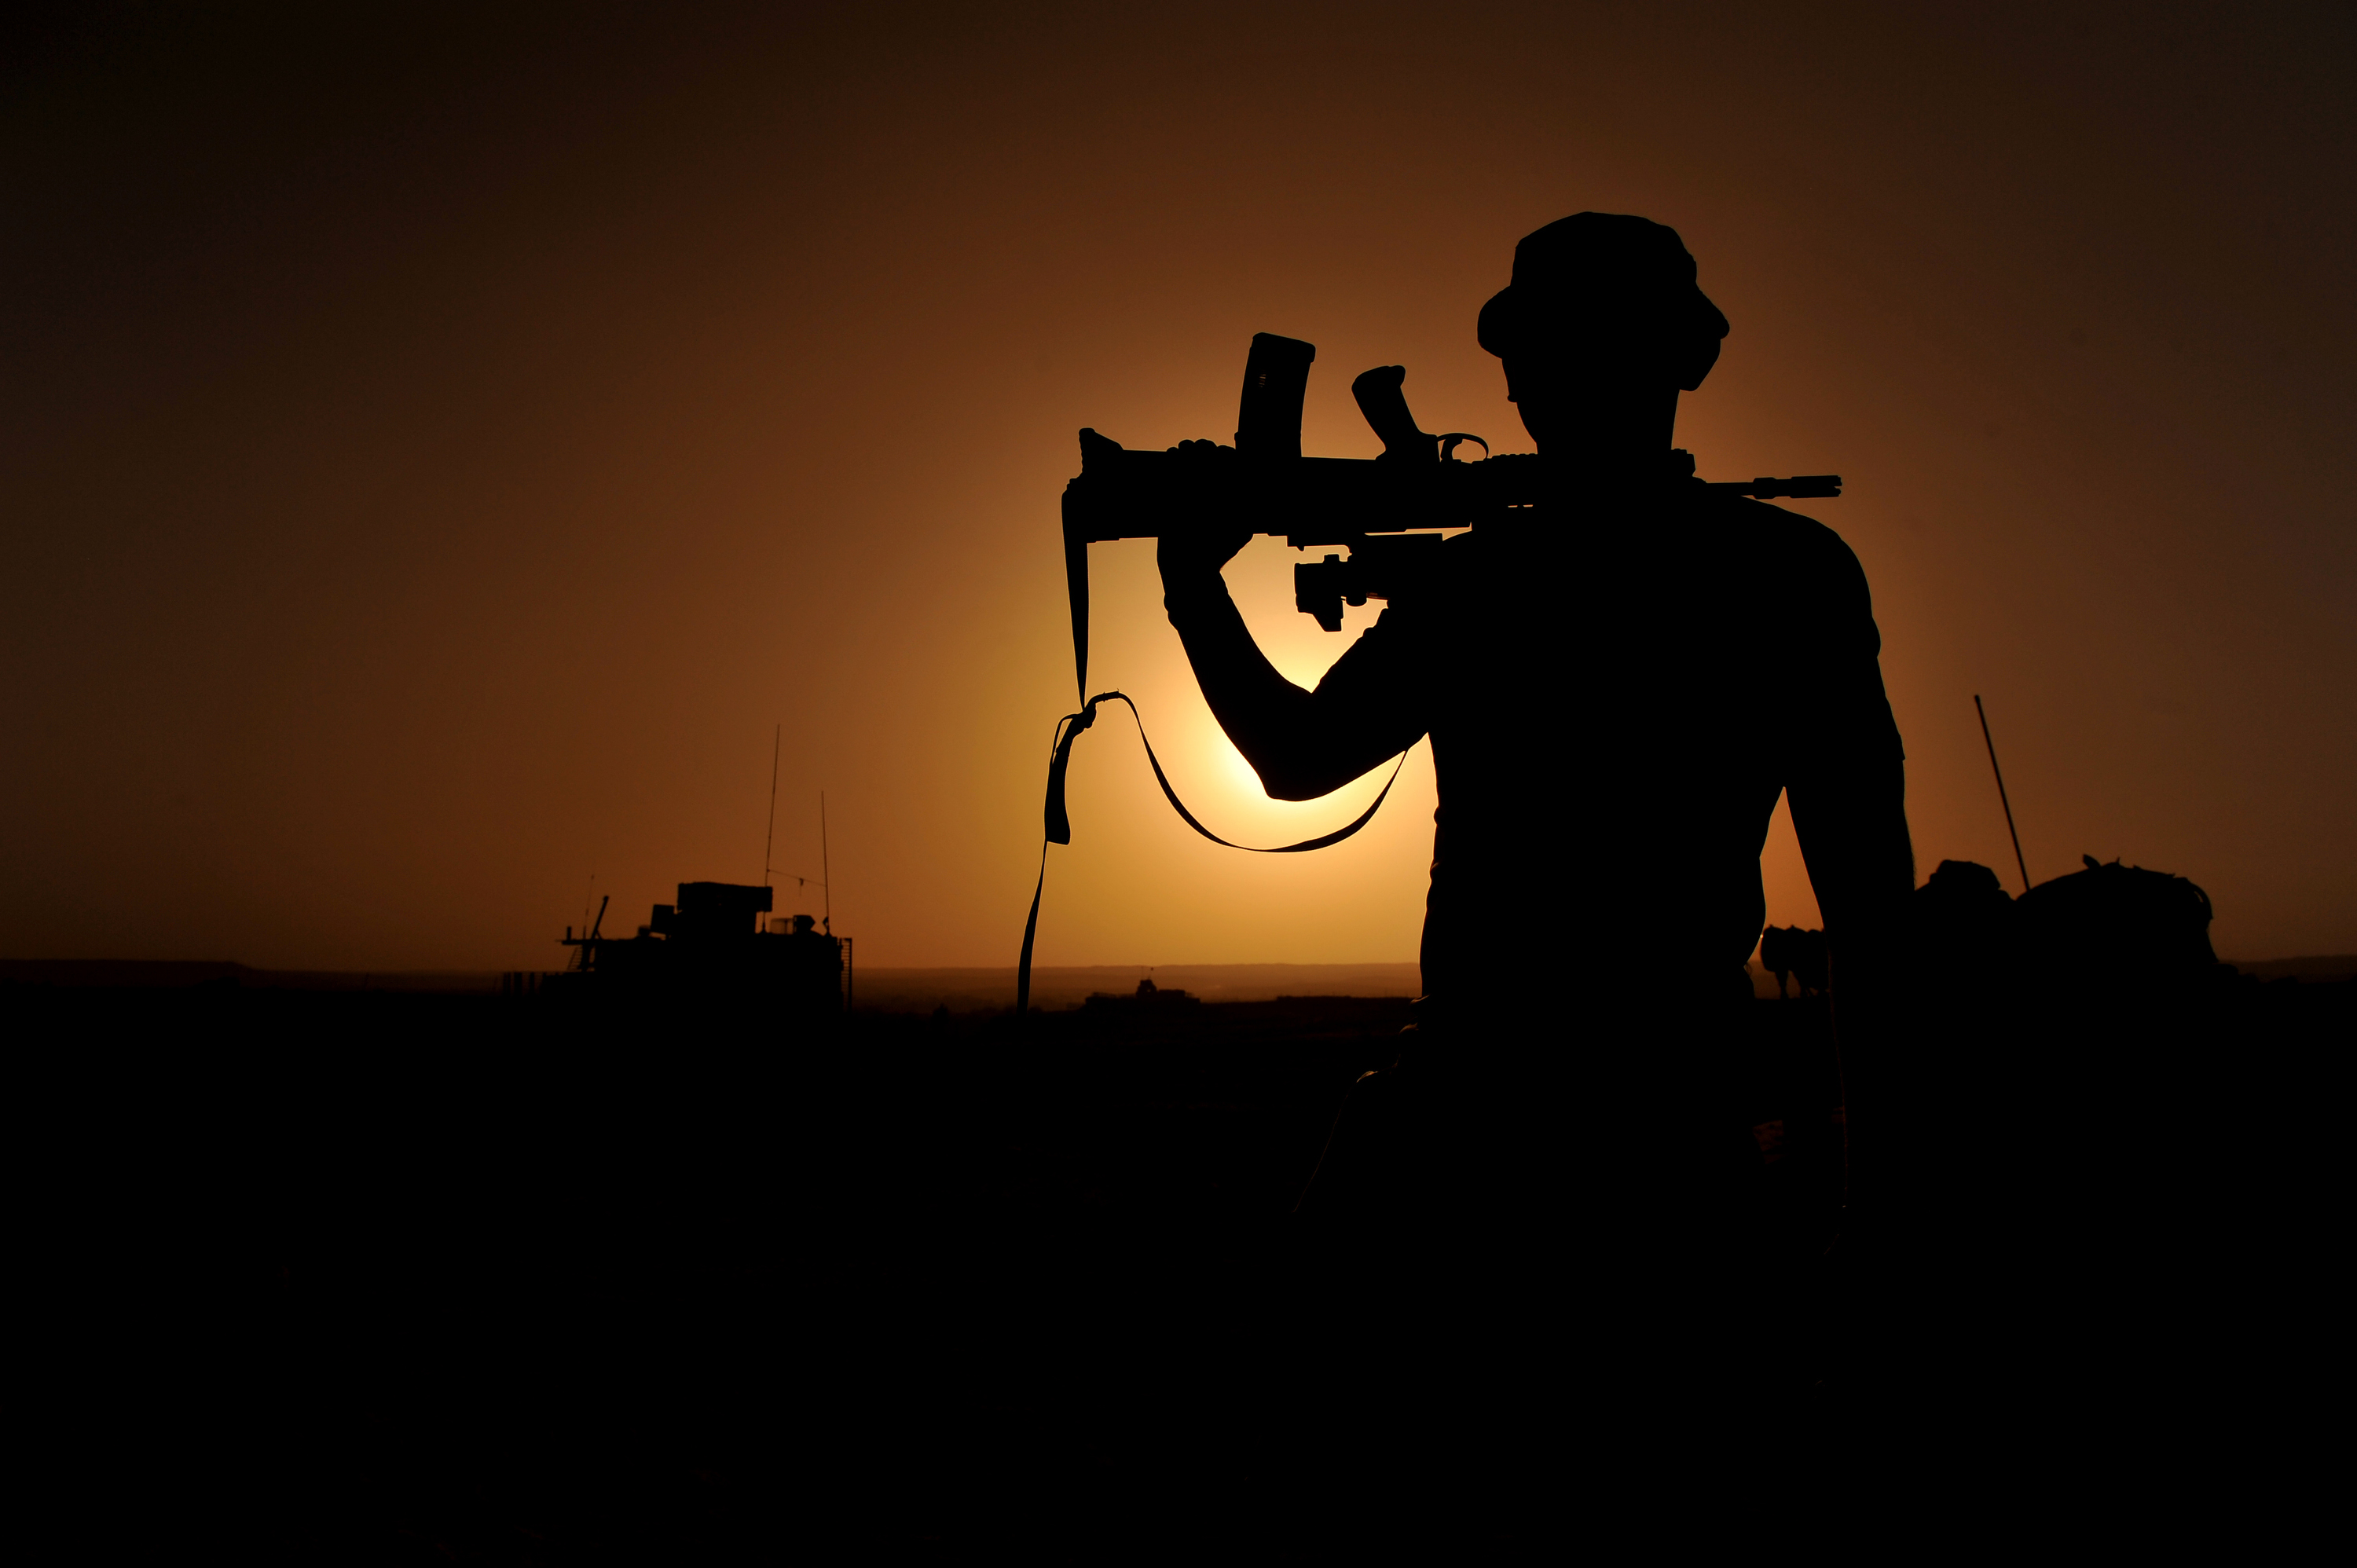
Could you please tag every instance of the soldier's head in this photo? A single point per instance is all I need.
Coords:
(1603, 321)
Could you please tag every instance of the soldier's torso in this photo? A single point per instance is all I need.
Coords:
(1610, 740)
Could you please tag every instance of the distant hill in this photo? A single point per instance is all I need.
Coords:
(975, 990)
(922, 990)
(142, 974)
(879, 989)
(2322, 968)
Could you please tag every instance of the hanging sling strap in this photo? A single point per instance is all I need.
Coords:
(1059, 824)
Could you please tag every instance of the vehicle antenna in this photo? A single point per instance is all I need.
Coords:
(825, 872)
(770, 839)
(2019, 864)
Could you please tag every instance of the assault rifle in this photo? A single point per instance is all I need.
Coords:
(1389, 511)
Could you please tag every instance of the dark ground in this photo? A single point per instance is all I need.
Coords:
(370, 1277)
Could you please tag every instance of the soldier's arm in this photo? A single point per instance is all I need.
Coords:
(1847, 781)
(1303, 744)
(1847, 787)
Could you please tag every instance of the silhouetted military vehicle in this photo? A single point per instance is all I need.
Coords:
(2055, 1038)
(2114, 925)
(1965, 935)
(1149, 997)
(716, 947)
(2111, 927)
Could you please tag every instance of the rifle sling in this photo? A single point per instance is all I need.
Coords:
(1059, 824)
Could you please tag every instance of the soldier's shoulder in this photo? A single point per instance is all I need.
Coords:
(1765, 525)
(1767, 520)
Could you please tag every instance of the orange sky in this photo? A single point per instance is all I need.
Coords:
(437, 451)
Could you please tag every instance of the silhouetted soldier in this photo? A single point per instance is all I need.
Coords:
(1605, 788)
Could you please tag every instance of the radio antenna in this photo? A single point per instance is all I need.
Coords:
(825, 872)
(770, 841)
(2019, 864)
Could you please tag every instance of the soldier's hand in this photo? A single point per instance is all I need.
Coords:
(1190, 556)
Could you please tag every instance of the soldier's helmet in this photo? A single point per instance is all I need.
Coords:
(1606, 278)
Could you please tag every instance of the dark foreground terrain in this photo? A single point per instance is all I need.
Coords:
(372, 1277)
